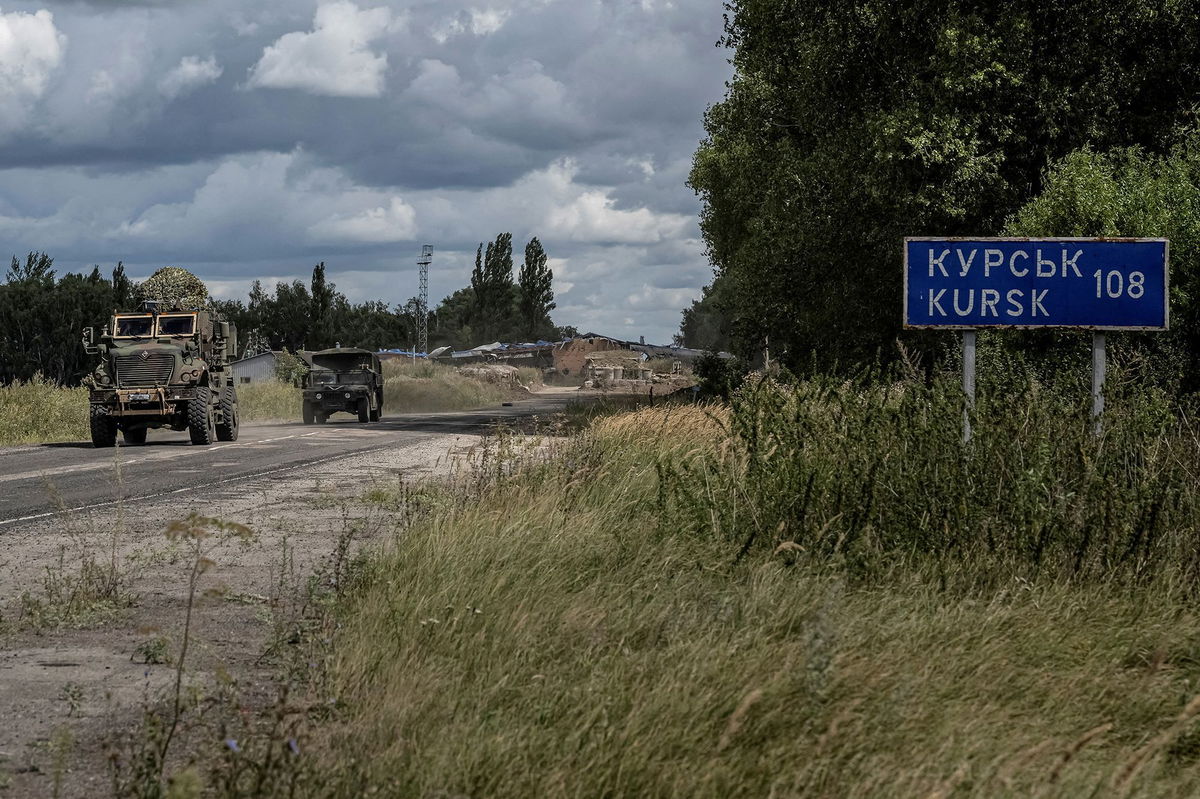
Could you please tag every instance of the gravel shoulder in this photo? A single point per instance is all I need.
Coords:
(65, 692)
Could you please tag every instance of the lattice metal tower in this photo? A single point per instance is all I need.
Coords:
(423, 299)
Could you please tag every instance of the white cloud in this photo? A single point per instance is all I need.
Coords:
(31, 49)
(591, 216)
(271, 201)
(395, 222)
(334, 58)
(191, 73)
(488, 20)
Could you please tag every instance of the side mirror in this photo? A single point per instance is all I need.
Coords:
(89, 341)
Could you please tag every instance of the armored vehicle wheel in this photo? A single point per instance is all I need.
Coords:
(201, 425)
(306, 411)
(135, 436)
(364, 412)
(227, 430)
(104, 427)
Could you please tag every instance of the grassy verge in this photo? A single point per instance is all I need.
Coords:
(40, 411)
(815, 592)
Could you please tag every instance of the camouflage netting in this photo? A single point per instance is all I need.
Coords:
(173, 287)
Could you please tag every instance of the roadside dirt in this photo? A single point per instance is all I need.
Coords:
(65, 692)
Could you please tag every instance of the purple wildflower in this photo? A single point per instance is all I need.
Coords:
(233, 745)
(295, 747)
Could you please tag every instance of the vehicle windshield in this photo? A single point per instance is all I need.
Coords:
(133, 326)
(176, 325)
(324, 378)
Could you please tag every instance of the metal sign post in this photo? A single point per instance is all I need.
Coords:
(1096, 284)
(968, 355)
(1099, 362)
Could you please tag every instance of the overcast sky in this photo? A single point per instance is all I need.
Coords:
(251, 140)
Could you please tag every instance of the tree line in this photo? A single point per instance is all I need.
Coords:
(41, 313)
(848, 126)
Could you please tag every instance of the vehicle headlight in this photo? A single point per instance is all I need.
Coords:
(319, 395)
(185, 377)
(347, 395)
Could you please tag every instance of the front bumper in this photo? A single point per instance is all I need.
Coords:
(335, 400)
(160, 401)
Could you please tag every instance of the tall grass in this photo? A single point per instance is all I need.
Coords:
(428, 386)
(872, 475)
(41, 410)
(268, 401)
(816, 591)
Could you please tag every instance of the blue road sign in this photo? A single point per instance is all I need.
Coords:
(1101, 284)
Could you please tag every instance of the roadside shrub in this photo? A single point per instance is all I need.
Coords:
(870, 475)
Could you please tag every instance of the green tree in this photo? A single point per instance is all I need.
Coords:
(122, 288)
(323, 323)
(847, 126)
(535, 292)
(493, 290)
(706, 324)
(41, 316)
(452, 320)
(1125, 192)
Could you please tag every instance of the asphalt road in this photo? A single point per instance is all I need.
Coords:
(39, 481)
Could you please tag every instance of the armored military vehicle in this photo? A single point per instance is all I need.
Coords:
(343, 379)
(165, 365)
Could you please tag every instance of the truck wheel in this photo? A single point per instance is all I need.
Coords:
(104, 427)
(321, 417)
(364, 412)
(306, 411)
(135, 436)
(227, 430)
(201, 427)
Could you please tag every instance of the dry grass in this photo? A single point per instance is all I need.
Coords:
(268, 401)
(562, 636)
(40, 411)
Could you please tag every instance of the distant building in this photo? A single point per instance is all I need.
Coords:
(571, 356)
(254, 369)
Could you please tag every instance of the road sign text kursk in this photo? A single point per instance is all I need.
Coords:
(1103, 284)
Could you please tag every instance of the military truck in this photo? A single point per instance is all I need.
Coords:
(163, 368)
(342, 379)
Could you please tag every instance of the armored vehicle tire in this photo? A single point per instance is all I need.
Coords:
(227, 430)
(364, 412)
(104, 427)
(135, 436)
(306, 411)
(375, 414)
(201, 426)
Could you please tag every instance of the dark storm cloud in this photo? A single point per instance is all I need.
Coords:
(256, 139)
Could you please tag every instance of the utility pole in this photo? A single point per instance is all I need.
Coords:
(423, 300)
